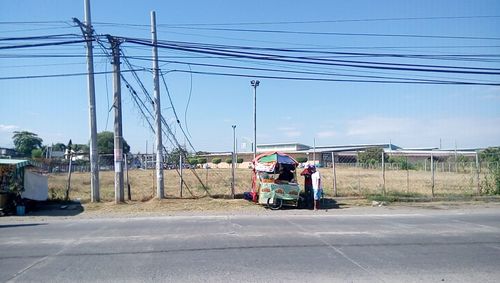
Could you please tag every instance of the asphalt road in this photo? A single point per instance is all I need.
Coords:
(371, 246)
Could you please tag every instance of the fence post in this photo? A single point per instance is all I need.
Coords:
(206, 177)
(334, 176)
(128, 183)
(432, 172)
(383, 173)
(181, 181)
(478, 170)
(407, 176)
(357, 169)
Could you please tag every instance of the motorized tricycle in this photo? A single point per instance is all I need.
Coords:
(274, 180)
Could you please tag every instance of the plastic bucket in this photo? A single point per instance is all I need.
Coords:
(20, 210)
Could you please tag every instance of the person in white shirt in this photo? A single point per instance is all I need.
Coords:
(317, 186)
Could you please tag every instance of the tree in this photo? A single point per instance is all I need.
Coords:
(202, 160)
(106, 143)
(239, 160)
(36, 153)
(59, 147)
(371, 155)
(402, 162)
(81, 147)
(173, 156)
(25, 142)
(229, 160)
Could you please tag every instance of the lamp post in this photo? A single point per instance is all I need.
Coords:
(233, 161)
(255, 84)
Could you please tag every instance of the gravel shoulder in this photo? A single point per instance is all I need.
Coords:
(239, 207)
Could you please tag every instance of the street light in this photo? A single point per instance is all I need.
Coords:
(255, 84)
(233, 157)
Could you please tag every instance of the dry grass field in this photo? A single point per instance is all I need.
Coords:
(350, 182)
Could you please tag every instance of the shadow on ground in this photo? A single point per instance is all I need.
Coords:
(70, 208)
(21, 225)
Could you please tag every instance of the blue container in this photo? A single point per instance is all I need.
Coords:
(20, 210)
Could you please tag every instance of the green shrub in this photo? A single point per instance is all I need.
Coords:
(228, 160)
(371, 156)
(193, 161)
(36, 153)
(402, 161)
(491, 183)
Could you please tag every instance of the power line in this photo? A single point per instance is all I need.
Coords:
(42, 44)
(313, 61)
(299, 72)
(342, 33)
(62, 75)
(333, 80)
(41, 37)
(309, 22)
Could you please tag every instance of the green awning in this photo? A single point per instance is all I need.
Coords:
(19, 163)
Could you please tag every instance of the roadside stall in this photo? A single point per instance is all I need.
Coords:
(274, 180)
(19, 182)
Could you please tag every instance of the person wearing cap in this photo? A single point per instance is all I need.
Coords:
(317, 186)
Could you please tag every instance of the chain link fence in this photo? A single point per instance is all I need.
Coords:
(410, 175)
(347, 174)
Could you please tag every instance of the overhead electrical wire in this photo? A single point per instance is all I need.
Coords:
(62, 75)
(307, 22)
(299, 72)
(328, 62)
(333, 80)
(343, 33)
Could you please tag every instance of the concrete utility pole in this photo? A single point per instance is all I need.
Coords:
(117, 104)
(94, 155)
(255, 84)
(156, 79)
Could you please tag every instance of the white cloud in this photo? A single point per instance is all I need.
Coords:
(326, 134)
(290, 132)
(8, 128)
(466, 131)
(379, 125)
(494, 97)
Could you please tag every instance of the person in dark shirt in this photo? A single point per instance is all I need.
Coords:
(285, 175)
(308, 186)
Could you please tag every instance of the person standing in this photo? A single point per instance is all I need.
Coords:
(317, 186)
(309, 199)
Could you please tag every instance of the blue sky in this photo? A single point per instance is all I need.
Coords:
(409, 115)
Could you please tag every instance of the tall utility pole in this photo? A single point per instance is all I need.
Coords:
(156, 79)
(117, 104)
(94, 155)
(255, 84)
(233, 161)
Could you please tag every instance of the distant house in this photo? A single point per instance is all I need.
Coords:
(7, 152)
(76, 155)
